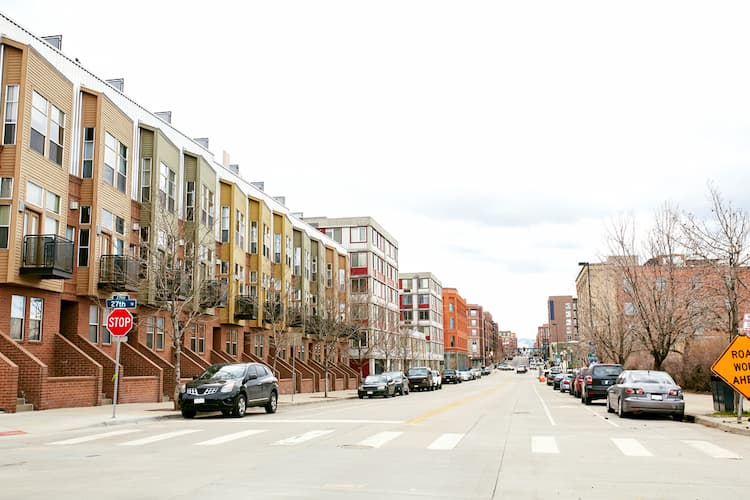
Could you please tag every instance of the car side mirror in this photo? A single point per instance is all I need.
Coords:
(250, 377)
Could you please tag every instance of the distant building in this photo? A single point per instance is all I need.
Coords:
(456, 330)
(421, 303)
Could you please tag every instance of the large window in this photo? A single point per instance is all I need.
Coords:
(359, 285)
(359, 259)
(240, 229)
(36, 313)
(359, 234)
(232, 341)
(258, 345)
(277, 248)
(4, 225)
(115, 163)
(253, 237)
(166, 187)
(198, 338)
(207, 206)
(38, 123)
(56, 135)
(11, 114)
(146, 180)
(17, 315)
(155, 333)
(189, 200)
(87, 158)
(224, 224)
(83, 247)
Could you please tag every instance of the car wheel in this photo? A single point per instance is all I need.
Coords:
(620, 412)
(273, 402)
(361, 396)
(678, 417)
(586, 400)
(188, 413)
(240, 406)
(609, 408)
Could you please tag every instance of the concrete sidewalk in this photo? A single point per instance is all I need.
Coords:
(62, 419)
(698, 408)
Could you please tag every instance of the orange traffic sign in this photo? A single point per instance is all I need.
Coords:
(733, 366)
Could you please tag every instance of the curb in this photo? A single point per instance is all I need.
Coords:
(721, 425)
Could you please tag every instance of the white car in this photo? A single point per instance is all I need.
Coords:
(465, 375)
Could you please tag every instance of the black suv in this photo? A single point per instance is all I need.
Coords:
(597, 381)
(451, 376)
(420, 378)
(230, 388)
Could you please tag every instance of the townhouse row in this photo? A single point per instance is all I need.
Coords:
(100, 197)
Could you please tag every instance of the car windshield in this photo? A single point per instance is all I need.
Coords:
(417, 371)
(652, 378)
(375, 379)
(222, 372)
(449, 372)
(606, 371)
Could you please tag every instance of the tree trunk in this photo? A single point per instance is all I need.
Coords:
(177, 377)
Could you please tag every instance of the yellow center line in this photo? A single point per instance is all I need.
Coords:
(421, 418)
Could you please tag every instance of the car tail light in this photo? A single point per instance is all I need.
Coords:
(633, 391)
(674, 392)
(589, 379)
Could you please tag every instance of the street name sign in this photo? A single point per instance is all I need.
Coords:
(733, 366)
(119, 322)
(121, 302)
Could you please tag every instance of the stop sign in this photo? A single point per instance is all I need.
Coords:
(119, 322)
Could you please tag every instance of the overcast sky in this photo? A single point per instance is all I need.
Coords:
(494, 140)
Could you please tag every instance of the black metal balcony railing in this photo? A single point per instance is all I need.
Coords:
(119, 273)
(294, 317)
(245, 307)
(172, 285)
(213, 293)
(272, 312)
(48, 256)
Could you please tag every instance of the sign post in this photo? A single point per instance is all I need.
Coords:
(119, 323)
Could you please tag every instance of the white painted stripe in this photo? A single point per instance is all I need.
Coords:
(712, 450)
(544, 444)
(307, 436)
(631, 447)
(261, 420)
(603, 417)
(94, 437)
(446, 441)
(379, 439)
(546, 410)
(158, 437)
(229, 437)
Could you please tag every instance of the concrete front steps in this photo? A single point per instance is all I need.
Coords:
(22, 405)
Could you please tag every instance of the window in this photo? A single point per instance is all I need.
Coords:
(53, 202)
(297, 261)
(277, 248)
(407, 315)
(232, 340)
(107, 219)
(224, 224)
(473, 322)
(342, 280)
(17, 314)
(474, 332)
(258, 345)
(6, 187)
(661, 283)
(424, 315)
(452, 323)
(424, 283)
(189, 200)
(359, 259)
(359, 234)
(38, 123)
(198, 338)
(406, 284)
(629, 309)
(34, 194)
(240, 229)
(334, 233)
(150, 333)
(207, 206)
(329, 275)
(56, 135)
(253, 276)
(4, 225)
(423, 299)
(110, 158)
(166, 187)
(119, 225)
(146, 180)
(85, 215)
(87, 158)
(155, 333)
(122, 168)
(93, 324)
(450, 307)
(11, 114)
(407, 300)
(83, 247)
(359, 285)
(453, 341)
(253, 237)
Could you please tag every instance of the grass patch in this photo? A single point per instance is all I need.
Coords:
(729, 414)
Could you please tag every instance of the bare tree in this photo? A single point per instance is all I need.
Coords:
(613, 336)
(663, 312)
(175, 274)
(275, 304)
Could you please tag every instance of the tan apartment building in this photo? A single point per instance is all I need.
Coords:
(100, 197)
(421, 319)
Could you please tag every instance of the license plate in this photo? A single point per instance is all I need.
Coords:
(199, 401)
(369, 392)
(656, 397)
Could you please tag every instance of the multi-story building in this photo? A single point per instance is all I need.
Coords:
(563, 325)
(373, 258)
(492, 346)
(421, 303)
(509, 341)
(455, 326)
(101, 197)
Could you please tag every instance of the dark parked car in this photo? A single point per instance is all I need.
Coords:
(377, 385)
(646, 391)
(420, 378)
(230, 388)
(451, 376)
(556, 380)
(550, 375)
(402, 382)
(575, 388)
(598, 380)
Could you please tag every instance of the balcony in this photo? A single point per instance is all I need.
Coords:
(272, 312)
(118, 273)
(213, 294)
(245, 307)
(295, 317)
(47, 256)
(172, 285)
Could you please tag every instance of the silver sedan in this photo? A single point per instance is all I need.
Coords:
(645, 391)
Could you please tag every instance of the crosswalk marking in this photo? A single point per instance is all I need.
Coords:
(229, 437)
(712, 450)
(307, 436)
(94, 437)
(379, 439)
(544, 444)
(158, 437)
(631, 447)
(446, 441)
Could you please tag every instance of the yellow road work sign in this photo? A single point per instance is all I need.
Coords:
(733, 366)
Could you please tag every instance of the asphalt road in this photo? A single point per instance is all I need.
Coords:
(504, 436)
